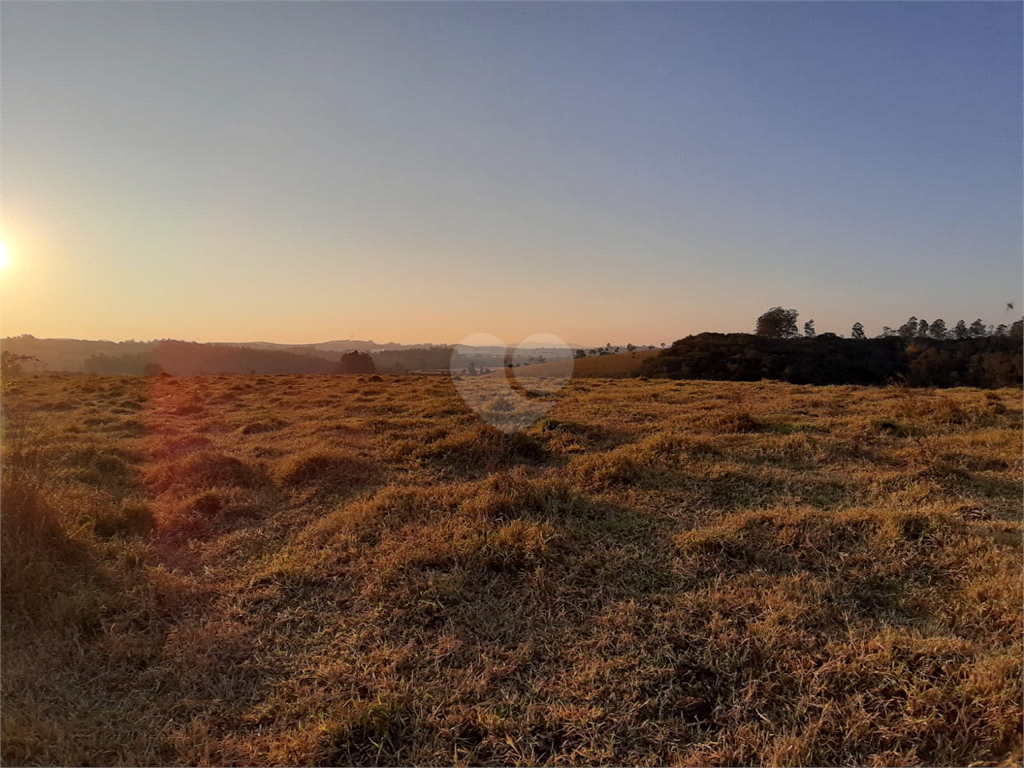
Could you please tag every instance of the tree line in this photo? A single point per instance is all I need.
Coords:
(779, 323)
(913, 354)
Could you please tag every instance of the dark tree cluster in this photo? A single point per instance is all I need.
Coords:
(822, 359)
(779, 323)
(356, 362)
(919, 353)
(922, 329)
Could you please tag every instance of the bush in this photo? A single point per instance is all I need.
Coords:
(356, 362)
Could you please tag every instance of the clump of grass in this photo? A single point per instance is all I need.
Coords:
(336, 471)
(32, 542)
(390, 507)
(484, 448)
(205, 470)
(606, 470)
(787, 540)
(519, 545)
(58, 405)
(672, 449)
(739, 422)
(368, 733)
(889, 426)
(206, 503)
(100, 467)
(130, 518)
(259, 427)
(511, 495)
(177, 446)
(188, 409)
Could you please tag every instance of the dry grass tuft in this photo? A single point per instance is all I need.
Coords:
(739, 421)
(259, 427)
(483, 448)
(205, 469)
(336, 471)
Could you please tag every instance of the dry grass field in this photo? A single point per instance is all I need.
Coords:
(614, 366)
(325, 570)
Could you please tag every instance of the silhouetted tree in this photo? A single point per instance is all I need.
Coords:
(809, 329)
(1001, 330)
(10, 368)
(922, 328)
(857, 332)
(937, 330)
(978, 329)
(777, 323)
(1017, 329)
(356, 362)
(960, 331)
(909, 329)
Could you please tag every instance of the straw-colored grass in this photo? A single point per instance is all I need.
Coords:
(345, 570)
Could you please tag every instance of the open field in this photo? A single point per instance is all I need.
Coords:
(356, 570)
(600, 366)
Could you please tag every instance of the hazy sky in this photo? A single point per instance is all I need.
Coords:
(297, 172)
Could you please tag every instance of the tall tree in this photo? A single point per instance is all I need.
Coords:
(922, 328)
(809, 329)
(857, 332)
(961, 331)
(777, 323)
(909, 329)
(937, 330)
(978, 329)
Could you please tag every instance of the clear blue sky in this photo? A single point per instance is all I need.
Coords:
(295, 172)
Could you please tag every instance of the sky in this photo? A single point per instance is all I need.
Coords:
(605, 172)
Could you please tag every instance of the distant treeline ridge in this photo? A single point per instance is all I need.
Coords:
(975, 361)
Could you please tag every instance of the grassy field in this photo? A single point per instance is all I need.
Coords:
(354, 570)
(600, 366)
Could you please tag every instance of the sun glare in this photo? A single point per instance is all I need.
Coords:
(5, 256)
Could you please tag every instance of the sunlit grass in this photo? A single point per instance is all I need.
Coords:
(336, 570)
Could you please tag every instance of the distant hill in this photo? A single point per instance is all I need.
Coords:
(347, 345)
(189, 358)
(70, 354)
(181, 358)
